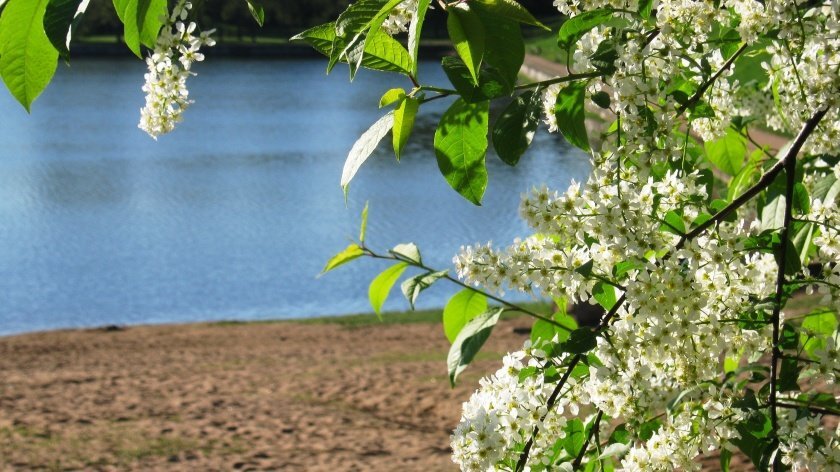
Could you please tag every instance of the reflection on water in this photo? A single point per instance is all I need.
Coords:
(233, 215)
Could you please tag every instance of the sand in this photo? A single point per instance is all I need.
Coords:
(263, 396)
(257, 396)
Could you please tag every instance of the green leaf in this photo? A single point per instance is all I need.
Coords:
(801, 199)
(773, 210)
(60, 20)
(728, 152)
(789, 375)
(461, 146)
(143, 20)
(547, 331)
(392, 96)
(571, 118)
(364, 147)
(725, 459)
(819, 325)
(491, 84)
(381, 52)
(509, 9)
(789, 338)
(414, 32)
(753, 447)
(575, 437)
(746, 177)
(827, 189)
(256, 11)
(412, 287)
(408, 251)
(792, 263)
(467, 35)
(605, 295)
(384, 53)
(504, 49)
(381, 286)
(460, 309)
(469, 341)
(349, 253)
(602, 99)
(647, 429)
(803, 241)
(363, 226)
(674, 223)
(514, 130)
(575, 27)
(645, 8)
(27, 58)
(360, 22)
(403, 123)
(581, 341)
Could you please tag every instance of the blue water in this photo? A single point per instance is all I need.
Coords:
(234, 214)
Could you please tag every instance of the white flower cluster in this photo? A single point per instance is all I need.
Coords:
(504, 412)
(169, 66)
(400, 17)
(687, 434)
(807, 446)
(687, 301)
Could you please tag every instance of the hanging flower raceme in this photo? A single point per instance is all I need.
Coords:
(169, 67)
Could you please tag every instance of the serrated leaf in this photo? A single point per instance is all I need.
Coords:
(257, 12)
(491, 84)
(514, 130)
(392, 96)
(467, 35)
(728, 152)
(575, 27)
(364, 147)
(581, 341)
(509, 9)
(412, 287)
(571, 117)
(381, 286)
(142, 20)
(469, 341)
(408, 251)
(349, 253)
(504, 48)
(404, 116)
(575, 437)
(773, 210)
(789, 375)
(547, 331)
(415, 29)
(60, 20)
(645, 8)
(460, 309)
(746, 177)
(381, 52)
(819, 325)
(604, 294)
(27, 58)
(827, 189)
(461, 147)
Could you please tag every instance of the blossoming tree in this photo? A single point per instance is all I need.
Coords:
(690, 234)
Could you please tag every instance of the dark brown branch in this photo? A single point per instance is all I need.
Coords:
(582, 453)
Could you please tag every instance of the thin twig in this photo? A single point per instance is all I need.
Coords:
(582, 453)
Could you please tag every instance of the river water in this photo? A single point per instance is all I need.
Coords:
(234, 214)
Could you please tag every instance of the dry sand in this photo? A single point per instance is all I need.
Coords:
(260, 396)
(264, 396)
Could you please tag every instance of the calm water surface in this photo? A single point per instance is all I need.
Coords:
(234, 214)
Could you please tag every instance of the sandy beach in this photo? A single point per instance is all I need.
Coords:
(236, 396)
(257, 396)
